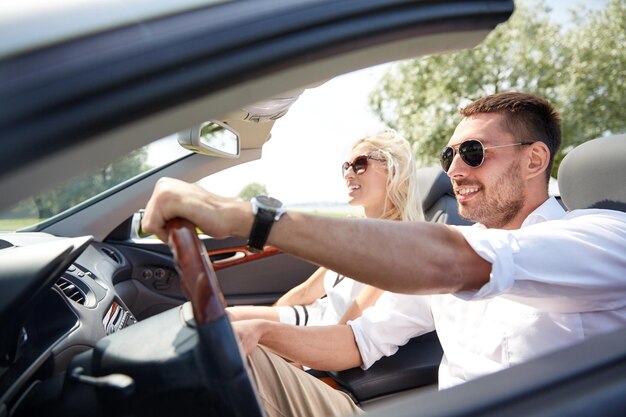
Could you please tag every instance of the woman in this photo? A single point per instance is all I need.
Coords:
(381, 177)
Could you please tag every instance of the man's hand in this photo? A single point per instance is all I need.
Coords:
(249, 333)
(329, 348)
(214, 215)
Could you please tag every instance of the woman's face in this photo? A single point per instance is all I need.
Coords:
(368, 189)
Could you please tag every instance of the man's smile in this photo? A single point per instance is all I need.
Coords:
(466, 193)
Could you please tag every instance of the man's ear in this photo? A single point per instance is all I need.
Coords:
(538, 159)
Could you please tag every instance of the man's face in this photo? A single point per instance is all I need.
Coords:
(494, 193)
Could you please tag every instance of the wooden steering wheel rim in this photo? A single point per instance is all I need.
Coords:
(198, 277)
(224, 367)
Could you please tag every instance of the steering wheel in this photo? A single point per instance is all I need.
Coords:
(219, 357)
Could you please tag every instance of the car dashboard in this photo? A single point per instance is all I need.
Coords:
(57, 299)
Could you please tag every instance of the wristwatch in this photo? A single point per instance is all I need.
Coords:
(266, 210)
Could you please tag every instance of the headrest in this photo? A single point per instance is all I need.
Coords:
(593, 175)
(433, 184)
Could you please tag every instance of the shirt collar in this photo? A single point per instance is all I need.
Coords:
(549, 210)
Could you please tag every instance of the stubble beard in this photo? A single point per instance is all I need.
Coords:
(505, 200)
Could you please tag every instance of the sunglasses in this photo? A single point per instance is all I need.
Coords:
(359, 164)
(472, 152)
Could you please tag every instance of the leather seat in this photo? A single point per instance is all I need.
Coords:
(593, 175)
(438, 201)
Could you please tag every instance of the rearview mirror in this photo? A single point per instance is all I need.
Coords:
(210, 138)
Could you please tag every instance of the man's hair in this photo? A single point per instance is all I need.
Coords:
(526, 116)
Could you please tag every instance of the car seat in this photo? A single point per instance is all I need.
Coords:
(593, 175)
(438, 201)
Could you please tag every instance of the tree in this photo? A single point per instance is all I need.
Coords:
(251, 190)
(420, 98)
(592, 94)
(86, 186)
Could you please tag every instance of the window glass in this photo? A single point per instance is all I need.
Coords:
(79, 189)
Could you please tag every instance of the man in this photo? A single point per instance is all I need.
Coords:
(498, 293)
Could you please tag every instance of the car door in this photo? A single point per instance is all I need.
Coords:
(152, 284)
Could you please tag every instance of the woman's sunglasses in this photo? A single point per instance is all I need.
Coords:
(359, 164)
(472, 153)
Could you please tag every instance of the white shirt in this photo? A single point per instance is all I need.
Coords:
(558, 280)
(340, 292)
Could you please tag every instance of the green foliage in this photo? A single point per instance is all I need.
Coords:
(210, 129)
(592, 92)
(251, 190)
(579, 68)
(84, 187)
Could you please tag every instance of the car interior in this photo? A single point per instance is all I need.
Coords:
(584, 183)
(95, 317)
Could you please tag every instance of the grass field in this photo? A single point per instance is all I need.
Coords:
(330, 214)
(9, 225)
(323, 211)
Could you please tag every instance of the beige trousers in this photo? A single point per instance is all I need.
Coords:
(286, 391)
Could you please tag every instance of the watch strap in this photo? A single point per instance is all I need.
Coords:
(263, 222)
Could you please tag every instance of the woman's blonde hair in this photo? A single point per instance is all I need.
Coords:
(402, 189)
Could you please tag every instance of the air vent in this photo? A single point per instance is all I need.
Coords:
(71, 291)
(112, 254)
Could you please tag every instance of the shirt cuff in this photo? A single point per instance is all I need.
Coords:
(286, 314)
(497, 247)
(362, 344)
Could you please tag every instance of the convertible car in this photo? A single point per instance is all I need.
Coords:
(94, 317)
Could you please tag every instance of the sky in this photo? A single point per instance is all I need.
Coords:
(301, 162)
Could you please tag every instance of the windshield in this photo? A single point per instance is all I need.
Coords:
(42, 207)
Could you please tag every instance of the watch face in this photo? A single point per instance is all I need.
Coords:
(268, 202)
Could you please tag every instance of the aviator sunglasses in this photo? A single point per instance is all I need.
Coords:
(359, 164)
(472, 153)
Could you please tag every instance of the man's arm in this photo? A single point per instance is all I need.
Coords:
(405, 257)
(408, 257)
(328, 348)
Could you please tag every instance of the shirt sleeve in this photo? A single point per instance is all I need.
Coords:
(576, 264)
(390, 323)
(303, 315)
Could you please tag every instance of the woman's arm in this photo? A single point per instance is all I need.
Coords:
(237, 313)
(366, 298)
(305, 293)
